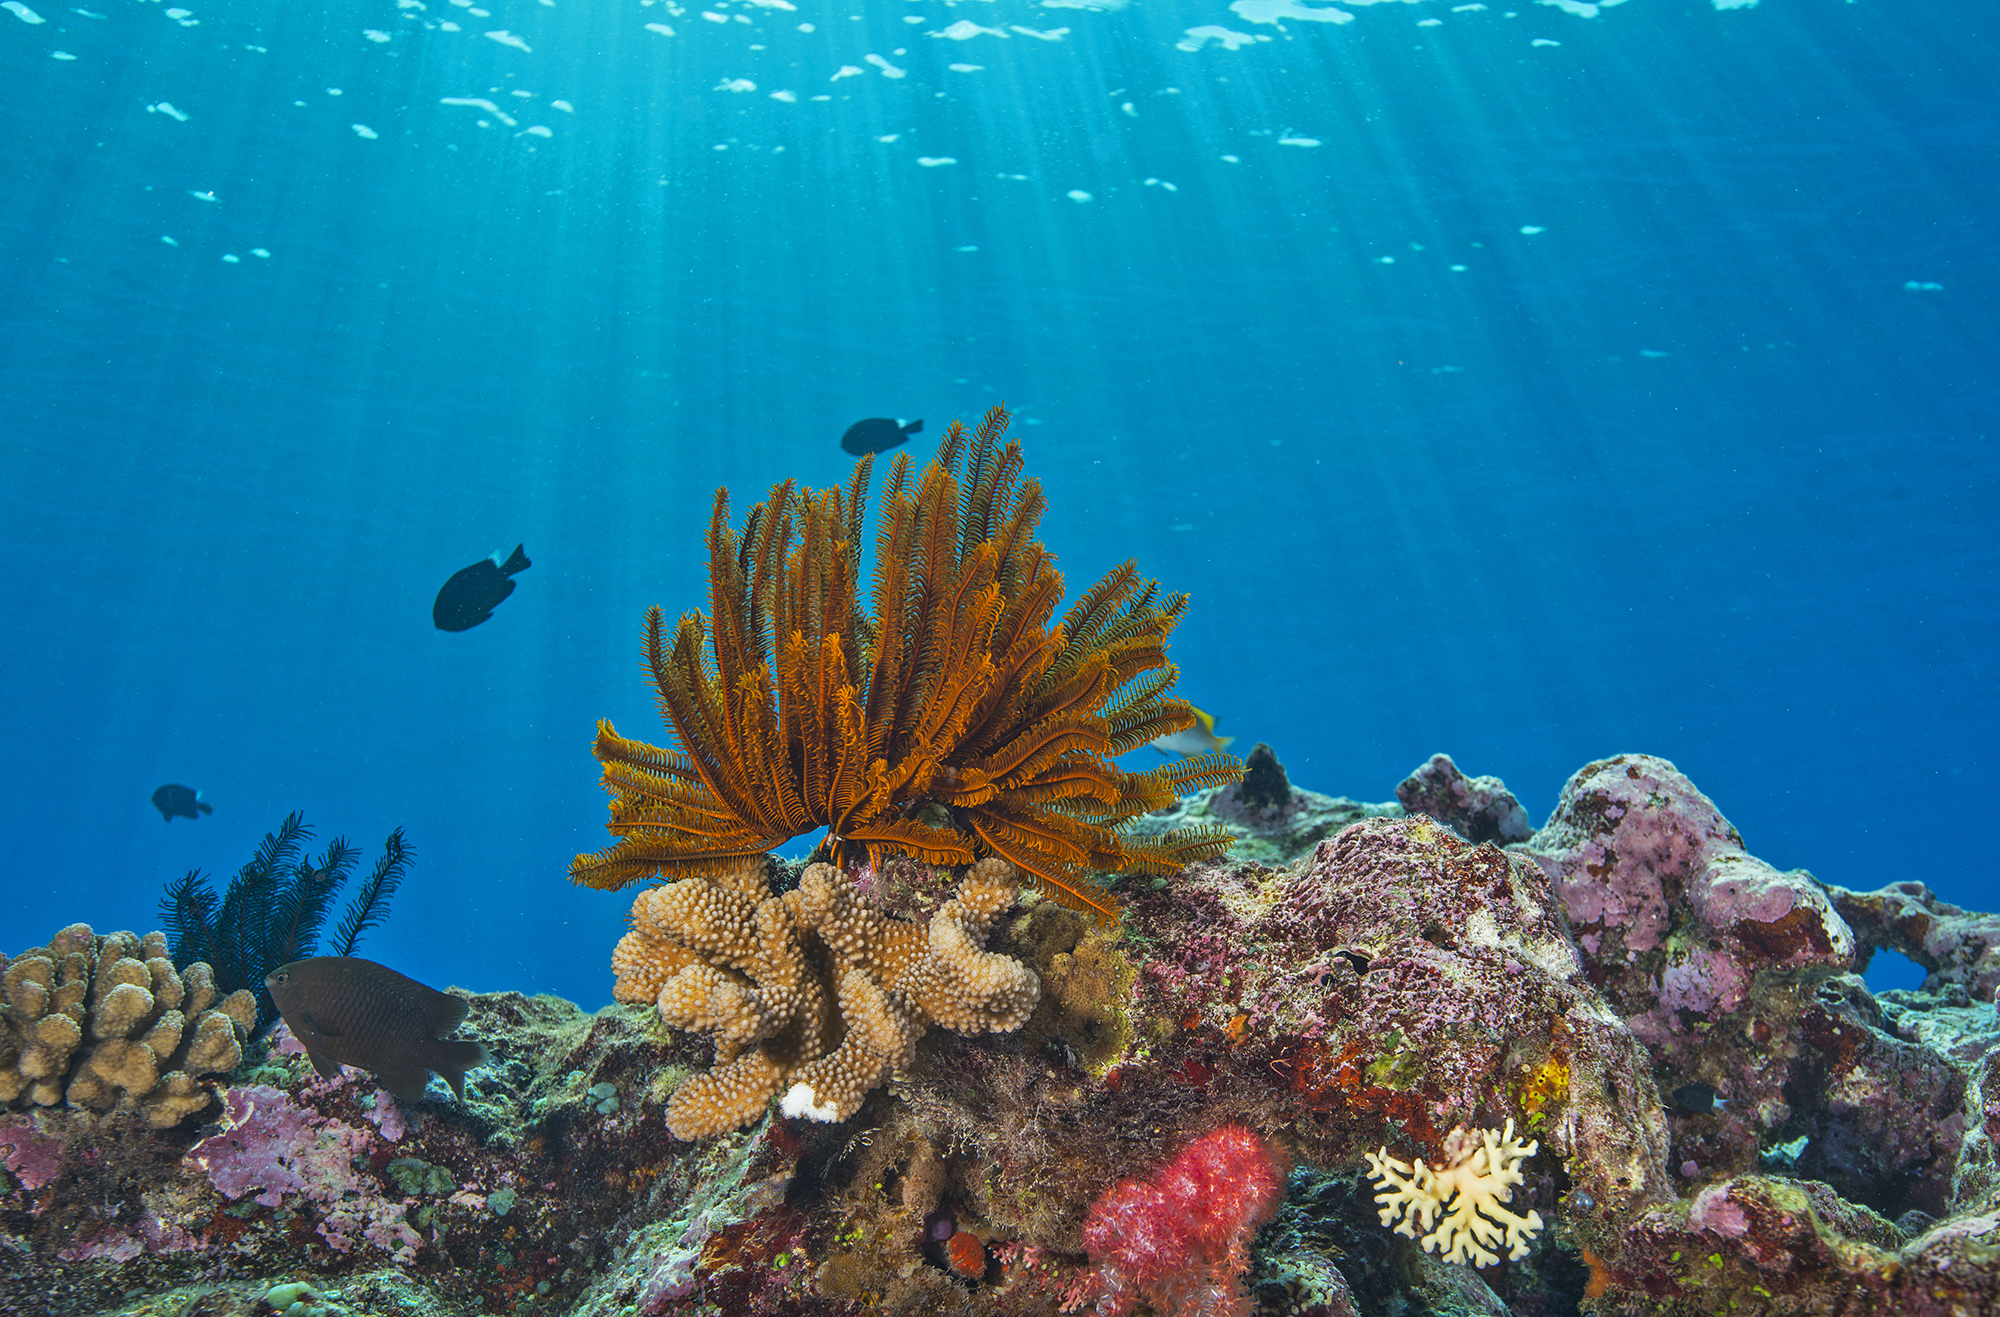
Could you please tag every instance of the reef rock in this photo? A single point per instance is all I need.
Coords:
(1710, 1112)
(1476, 808)
(1272, 821)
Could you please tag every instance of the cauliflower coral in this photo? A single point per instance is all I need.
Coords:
(1480, 1169)
(1181, 1240)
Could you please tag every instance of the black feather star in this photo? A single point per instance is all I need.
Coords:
(370, 906)
(275, 907)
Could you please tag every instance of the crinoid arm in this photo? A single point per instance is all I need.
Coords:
(1174, 850)
(953, 694)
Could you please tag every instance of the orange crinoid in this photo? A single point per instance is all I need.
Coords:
(950, 721)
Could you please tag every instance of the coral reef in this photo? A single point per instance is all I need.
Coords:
(508, 1199)
(951, 722)
(1476, 808)
(1959, 950)
(814, 994)
(1269, 821)
(1264, 784)
(275, 906)
(1727, 970)
(103, 1022)
(269, 1148)
(1353, 1006)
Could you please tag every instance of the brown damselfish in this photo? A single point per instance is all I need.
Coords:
(349, 1011)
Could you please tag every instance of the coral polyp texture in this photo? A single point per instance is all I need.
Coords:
(1459, 1210)
(108, 1022)
(815, 994)
(952, 719)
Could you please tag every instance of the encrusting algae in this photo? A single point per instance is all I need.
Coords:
(952, 722)
(1383, 994)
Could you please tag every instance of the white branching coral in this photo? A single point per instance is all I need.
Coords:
(1481, 1168)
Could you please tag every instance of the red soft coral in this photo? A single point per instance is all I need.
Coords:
(1181, 1242)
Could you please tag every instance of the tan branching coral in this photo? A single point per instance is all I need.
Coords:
(1481, 1168)
(815, 994)
(100, 1021)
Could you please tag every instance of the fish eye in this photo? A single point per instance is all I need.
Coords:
(281, 977)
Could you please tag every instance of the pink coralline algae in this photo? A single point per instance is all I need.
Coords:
(33, 1157)
(1709, 954)
(1724, 1117)
(1181, 1241)
(104, 1244)
(1959, 949)
(1633, 848)
(1626, 829)
(271, 1147)
(1451, 984)
(1704, 982)
(1712, 1211)
(387, 1115)
(1476, 808)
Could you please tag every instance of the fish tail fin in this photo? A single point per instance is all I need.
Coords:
(517, 561)
(914, 427)
(454, 1057)
(204, 807)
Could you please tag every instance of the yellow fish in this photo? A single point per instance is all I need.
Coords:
(1199, 739)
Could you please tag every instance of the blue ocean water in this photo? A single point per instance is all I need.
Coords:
(1532, 384)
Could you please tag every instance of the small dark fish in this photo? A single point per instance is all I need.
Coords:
(877, 434)
(349, 1011)
(1696, 1098)
(175, 801)
(472, 593)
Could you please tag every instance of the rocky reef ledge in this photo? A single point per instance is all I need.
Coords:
(1710, 1112)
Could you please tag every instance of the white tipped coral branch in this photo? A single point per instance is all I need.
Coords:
(1481, 1168)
